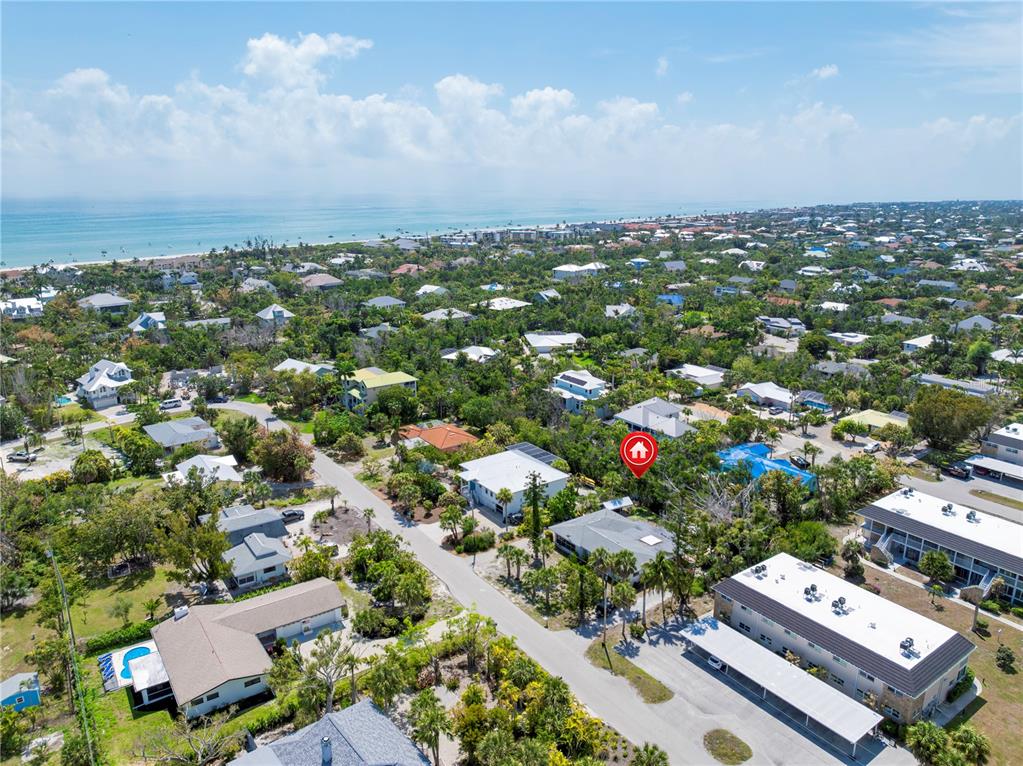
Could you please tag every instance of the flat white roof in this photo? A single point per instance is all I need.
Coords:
(509, 469)
(1012, 430)
(872, 622)
(831, 708)
(992, 531)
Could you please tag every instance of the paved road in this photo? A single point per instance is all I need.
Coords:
(700, 702)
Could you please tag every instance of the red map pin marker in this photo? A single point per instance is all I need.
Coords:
(638, 451)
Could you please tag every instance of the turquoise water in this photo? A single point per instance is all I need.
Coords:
(71, 230)
(132, 654)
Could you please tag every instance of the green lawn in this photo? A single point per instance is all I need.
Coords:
(648, 687)
(119, 727)
(77, 413)
(251, 399)
(996, 498)
(302, 426)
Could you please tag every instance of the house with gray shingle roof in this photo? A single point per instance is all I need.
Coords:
(257, 560)
(108, 302)
(172, 434)
(613, 532)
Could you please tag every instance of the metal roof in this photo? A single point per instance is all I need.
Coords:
(829, 707)
(911, 681)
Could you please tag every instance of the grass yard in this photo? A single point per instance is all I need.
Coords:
(119, 727)
(922, 472)
(726, 747)
(302, 426)
(76, 413)
(996, 498)
(649, 688)
(999, 709)
(251, 399)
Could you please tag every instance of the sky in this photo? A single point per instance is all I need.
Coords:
(789, 102)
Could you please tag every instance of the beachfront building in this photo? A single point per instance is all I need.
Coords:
(870, 648)
(366, 384)
(902, 526)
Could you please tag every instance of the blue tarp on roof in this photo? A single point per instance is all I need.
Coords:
(672, 299)
(757, 457)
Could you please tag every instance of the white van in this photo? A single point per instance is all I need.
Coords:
(170, 404)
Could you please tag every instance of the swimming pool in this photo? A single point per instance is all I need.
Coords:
(131, 654)
(63, 401)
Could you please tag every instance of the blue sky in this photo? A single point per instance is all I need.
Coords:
(800, 101)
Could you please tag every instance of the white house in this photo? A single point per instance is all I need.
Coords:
(431, 290)
(766, 394)
(21, 308)
(848, 338)
(504, 304)
(707, 378)
(215, 467)
(1005, 444)
(571, 272)
(484, 478)
(548, 342)
(573, 388)
(215, 655)
(835, 306)
(274, 315)
(656, 417)
(472, 353)
(297, 366)
(101, 385)
(917, 344)
(619, 311)
(440, 315)
(252, 284)
(108, 302)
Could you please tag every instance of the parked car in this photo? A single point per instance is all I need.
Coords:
(21, 456)
(799, 461)
(871, 447)
(122, 412)
(292, 514)
(956, 471)
(775, 411)
(170, 404)
(217, 400)
(715, 663)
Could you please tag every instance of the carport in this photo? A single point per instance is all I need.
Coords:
(837, 719)
(999, 470)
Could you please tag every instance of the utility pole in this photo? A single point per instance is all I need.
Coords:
(72, 654)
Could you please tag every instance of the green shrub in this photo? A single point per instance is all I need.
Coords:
(961, 686)
(375, 623)
(982, 625)
(119, 637)
(477, 541)
(637, 631)
(991, 606)
(1017, 611)
(1005, 659)
(273, 715)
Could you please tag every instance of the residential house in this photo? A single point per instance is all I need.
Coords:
(937, 284)
(866, 645)
(675, 265)
(148, 320)
(977, 322)
(171, 434)
(830, 369)
(105, 302)
(321, 282)
(100, 387)
(443, 436)
(384, 302)
(608, 529)
(571, 272)
(619, 311)
(240, 521)
(274, 316)
(20, 691)
(252, 284)
(504, 304)
(834, 306)
(874, 419)
(848, 338)
(367, 383)
(215, 655)
(639, 263)
(297, 366)
(657, 417)
(209, 467)
(472, 353)
(549, 342)
(257, 561)
(376, 332)
(971, 387)
(787, 285)
(890, 318)
(484, 478)
(1004, 444)
(672, 299)
(358, 735)
(574, 388)
(913, 345)
(407, 270)
(784, 327)
(431, 290)
(441, 315)
(705, 378)
(21, 308)
(548, 295)
(492, 287)
(766, 395)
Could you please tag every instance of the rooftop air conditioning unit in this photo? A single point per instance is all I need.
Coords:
(906, 645)
(180, 612)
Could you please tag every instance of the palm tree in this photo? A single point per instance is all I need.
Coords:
(544, 547)
(368, 514)
(429, 720)
(623, 596)
(601, 562)
(519, 557)
(660, 574)
(650, 755)
(151, 605)
(645, 583)
(811, 451)
(506, 553)
(927, 741)
(504, 497)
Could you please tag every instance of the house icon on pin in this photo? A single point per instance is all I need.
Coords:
(638, 451)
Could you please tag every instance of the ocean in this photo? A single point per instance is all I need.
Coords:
(75, 230)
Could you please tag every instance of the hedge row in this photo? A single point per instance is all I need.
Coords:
(119, 637)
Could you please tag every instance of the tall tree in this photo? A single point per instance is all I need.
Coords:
(429, 721)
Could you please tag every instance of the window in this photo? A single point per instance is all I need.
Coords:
(18, 700)
(743, 607)
(867, 676)
(789, 632)
(744, 626)
(838, 659)
(765, 639)
(726, 599)
(768, 621)
(212, 696)
(268, 570)
(892, 713)
(246, 579)
(837, 680)
(252, 682)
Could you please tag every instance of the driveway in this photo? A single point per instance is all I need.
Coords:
(677, 725)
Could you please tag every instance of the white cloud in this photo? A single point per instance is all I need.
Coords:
(825, 72)
(662, 66)
(294, 63)
(283, 130)
(685, 97)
